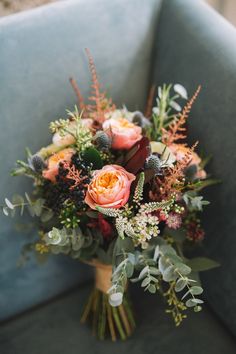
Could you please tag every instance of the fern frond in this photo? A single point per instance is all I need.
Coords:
(153, 206)
(176, 130)
(120, 227)
(114, 213)
(138, 193)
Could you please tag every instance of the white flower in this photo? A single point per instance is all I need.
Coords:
(166, 155)
(181, 90)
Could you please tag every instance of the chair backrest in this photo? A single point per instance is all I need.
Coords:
(40, 50)
(199, 47)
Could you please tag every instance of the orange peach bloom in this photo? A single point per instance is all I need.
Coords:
(124, 134)
(109, 188)
(54, 161)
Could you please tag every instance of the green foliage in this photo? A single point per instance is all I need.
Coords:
(138, 193)
(36, 207)
(69, 216)
(92, 156)
(199, 264)
(193, 201)
(120, 275)
(165, 110)
(24, 169)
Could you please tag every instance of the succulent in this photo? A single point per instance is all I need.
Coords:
(102, 140)
(154, 163)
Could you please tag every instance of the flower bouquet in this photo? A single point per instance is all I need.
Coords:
(120, 191)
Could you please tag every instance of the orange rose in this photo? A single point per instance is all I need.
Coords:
(109, 188)
(124, 134)
(54, 161)
(180, 151)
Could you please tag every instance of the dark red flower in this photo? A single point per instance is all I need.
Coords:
(104, 226)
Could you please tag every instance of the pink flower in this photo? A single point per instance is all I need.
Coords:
(54, 161)
(109, 188)
(174, 221)
(124, 134)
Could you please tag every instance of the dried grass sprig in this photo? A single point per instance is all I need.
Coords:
(177, 130)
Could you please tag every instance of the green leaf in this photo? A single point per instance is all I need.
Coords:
(154, 271)
(143, 272)
(152, 289)
(145, 282)
(129, 268)
(9, 204)
(180, 284)
(200, 264)
(92, 155)
(5, 211)
(193, 302)
(178, 235)
(182, 268)
(196, 290)
(169, 274)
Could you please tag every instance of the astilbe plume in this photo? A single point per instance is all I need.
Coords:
(176, 130)
(102, 104)
(174, 179)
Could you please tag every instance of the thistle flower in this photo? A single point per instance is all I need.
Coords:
(174, 221)
(102, 140)
(36, 163)
(153, 162)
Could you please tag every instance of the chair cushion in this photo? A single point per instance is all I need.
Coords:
(40, 50)
(197, 46)
(55, 329)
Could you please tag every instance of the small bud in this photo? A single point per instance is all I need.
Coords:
(102, 140)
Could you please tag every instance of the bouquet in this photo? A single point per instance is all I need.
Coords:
(121, 191)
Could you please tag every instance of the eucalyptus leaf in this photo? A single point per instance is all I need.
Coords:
(200, 264)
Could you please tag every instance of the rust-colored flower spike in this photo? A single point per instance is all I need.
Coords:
(82, 105)
(173, 180)
(177, 130)
(100, 103)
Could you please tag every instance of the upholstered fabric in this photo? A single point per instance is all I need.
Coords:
(195, 45)
(40, 50)
(55, 329)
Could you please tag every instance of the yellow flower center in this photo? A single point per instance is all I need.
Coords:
(108, 180)
(124, 123)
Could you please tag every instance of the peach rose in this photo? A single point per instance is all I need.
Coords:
(180, 151)
(69, 139)
(54, 161)
(109, 188)
(124, 134)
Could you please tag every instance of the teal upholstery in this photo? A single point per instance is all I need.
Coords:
(199, 47)
(135, 44)
(40, 50)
